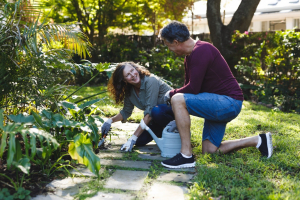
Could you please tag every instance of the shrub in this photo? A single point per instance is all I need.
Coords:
(269, 67)
(162, 62)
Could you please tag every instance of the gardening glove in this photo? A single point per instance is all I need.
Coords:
(172, 126)
(129, 144)
(105, 127)
(167, 98)
(143, 125)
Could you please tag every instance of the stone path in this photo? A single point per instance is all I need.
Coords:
(123, 175)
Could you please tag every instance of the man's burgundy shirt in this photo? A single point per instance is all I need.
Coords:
(207, 71)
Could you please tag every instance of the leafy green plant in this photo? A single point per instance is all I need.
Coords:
(29, 54)
(269, 67)
(162, 62)
(5, 194)
(22, 194)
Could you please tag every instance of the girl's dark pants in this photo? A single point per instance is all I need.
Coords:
(161, 115)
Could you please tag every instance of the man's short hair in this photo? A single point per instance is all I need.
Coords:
(174, 31)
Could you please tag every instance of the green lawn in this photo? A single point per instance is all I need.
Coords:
(243, 174)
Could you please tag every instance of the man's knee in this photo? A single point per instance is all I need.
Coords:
(208, 147)
(178, 99)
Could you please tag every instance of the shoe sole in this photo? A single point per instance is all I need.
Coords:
(180, 166)
(269, 144)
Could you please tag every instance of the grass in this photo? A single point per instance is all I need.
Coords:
(243, 174)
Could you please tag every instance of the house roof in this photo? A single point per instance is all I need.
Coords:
(264, 7)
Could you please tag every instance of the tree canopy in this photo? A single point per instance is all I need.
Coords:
(96, 17)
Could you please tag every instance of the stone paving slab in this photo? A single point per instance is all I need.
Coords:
(68, 187)
(126, 180)
(69, 192)
(152, 156)
(127, 163)
(106, 154)
(117, 140)
(120, 139)
(85, 172)
(149, 148)
(111, 148)
(160, 191)
(112, 196)
(66, 183)
(190, 170)
(47, 197)
(177, 177)
(125, 126)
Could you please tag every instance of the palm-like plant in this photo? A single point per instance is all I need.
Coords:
(29, 64)
(29, 61)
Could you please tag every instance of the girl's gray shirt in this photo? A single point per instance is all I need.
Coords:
(152, 93)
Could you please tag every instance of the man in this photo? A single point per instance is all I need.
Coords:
(210, 91)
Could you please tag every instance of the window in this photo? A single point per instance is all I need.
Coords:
(277, 25)
(251, 27)
(265, 26)
(296, 23)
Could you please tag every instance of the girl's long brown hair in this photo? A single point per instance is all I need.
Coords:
(116, 87)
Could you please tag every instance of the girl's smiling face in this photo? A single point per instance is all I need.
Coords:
(131, 75)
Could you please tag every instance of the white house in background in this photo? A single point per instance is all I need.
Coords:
(270, 15)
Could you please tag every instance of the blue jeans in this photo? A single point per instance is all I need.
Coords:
(217, 110)
(161, 115)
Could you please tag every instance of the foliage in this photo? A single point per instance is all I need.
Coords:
(120, 48)
(97, 17)
(53, 132)
(159, 60)
(31, 59)
(271, 72)
(162, 62)
(20, 194)
(4, 193)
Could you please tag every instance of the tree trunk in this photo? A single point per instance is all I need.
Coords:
(220, 34)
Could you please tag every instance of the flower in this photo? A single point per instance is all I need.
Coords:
(246, 32)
